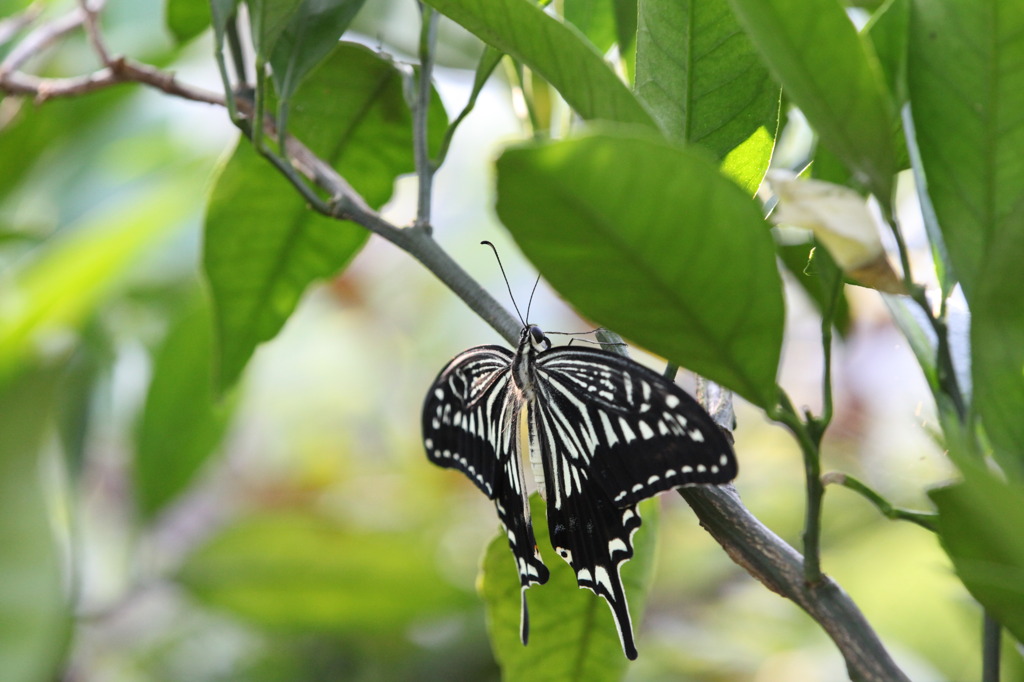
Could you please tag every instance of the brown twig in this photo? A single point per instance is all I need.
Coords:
(38, 40)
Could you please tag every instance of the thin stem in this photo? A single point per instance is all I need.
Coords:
(827, 323)
(890, 511)
(39, 39)
(488, 62)
(420, 113)
(810, 447)
(991, 639)
(237, 53)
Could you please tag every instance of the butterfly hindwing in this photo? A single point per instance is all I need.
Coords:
(594, 536)
(470, 423)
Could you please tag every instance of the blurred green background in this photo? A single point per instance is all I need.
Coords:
(294, 530)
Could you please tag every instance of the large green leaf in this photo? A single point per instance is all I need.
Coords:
(263, 245)
(293, 571)
(311, 33)
(833, 75)
(967, 92)
(263, 248)
(34, 615)
(181, 423)
(700, 77)
(651, 241)
(556, 51)
(997, 348)
(979, 524)
(572, 632)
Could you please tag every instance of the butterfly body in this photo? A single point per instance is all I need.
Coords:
(604, 433)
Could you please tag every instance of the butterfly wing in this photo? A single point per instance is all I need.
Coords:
(609, 433)
(471, 423)
(639, 433)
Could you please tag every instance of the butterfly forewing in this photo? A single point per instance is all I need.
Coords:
(470, 423)
(639, 433)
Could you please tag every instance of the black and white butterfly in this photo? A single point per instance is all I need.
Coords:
(604, 433)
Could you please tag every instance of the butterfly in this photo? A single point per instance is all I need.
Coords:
(604, 433)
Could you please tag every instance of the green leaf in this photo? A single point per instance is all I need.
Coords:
(747, 163)
(264, 246)
(312, 32)
(61, 283)
(997, 349)
(295, 572)
(652, 242)
(181, 424)
(832, 74)
(625, 30)
(572, 631)
(187, 18)
(34, 616)
(963, 77)
(595, 19)
(887, 30)
(700, 77)
(979, 524)
(269, 19)
(556, 51)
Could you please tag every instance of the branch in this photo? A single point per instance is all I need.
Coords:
(780, 568)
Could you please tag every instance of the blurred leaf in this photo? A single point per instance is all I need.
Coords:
(828, 71)
(31, 131)
(312, 32)
(269, 19)
(181, 424)
(92, 358)
(264, 246)
(221, 11)
(554, 50)
(887, 31)
(652, 242)
(997, 346)
(63, 281)
(34, 617)
(816, 273)
(595, 19)
(979, 524)
(572, 631)
(292, 571)
(963, 76)
(186, 19)
(700, 77)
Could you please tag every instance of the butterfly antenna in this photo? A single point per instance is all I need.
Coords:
(507, 285)
(529, 303)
